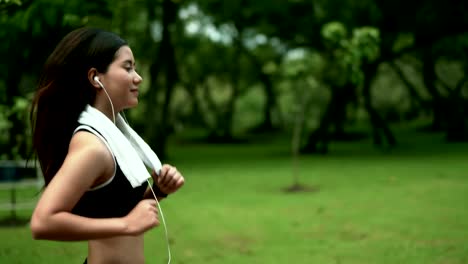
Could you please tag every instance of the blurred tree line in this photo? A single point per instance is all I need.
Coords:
(236, 66)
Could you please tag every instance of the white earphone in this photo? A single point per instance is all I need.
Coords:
(96, 79)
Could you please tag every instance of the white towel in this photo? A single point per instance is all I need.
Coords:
(130, 150)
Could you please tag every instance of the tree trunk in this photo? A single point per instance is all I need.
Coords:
(225, 123)
(417, 101)
(335, 115)
(270, 103)
(317, 141)
(456, 123)
(159, 133)
(438, 102)
(197, 117)
(380, 130)
(344, 96)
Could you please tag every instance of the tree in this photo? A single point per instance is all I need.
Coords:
(345, 56)
(25, 29)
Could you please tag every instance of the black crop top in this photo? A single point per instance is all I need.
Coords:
(115, 199)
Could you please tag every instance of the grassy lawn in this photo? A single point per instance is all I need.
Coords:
(407, 206)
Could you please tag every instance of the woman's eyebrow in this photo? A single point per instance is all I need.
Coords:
(129, 62)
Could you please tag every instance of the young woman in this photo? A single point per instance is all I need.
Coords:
(87, 196)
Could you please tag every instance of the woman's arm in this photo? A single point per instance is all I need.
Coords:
(87, 161)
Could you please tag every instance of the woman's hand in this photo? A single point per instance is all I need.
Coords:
(169, 180)
(142, 218)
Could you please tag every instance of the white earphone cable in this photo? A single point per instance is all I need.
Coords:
(112, 106)
(164, 223)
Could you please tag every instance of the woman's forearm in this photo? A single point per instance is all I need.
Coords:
(66, 226)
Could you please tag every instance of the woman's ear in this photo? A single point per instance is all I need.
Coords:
(91, 74)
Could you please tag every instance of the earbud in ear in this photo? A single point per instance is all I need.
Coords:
(96, 79)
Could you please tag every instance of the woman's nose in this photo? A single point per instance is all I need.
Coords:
(138, 78)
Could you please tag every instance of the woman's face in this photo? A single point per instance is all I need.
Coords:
(121, 80)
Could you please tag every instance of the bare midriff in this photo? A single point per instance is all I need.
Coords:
(117, 250)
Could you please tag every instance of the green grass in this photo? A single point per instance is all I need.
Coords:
(409, 205)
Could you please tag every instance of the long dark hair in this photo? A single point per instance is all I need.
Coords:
(64, 90)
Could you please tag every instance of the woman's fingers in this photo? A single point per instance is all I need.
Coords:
(170, 179)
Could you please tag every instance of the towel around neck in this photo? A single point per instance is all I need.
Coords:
(132, 153)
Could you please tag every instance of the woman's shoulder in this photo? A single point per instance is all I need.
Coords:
(88, 144)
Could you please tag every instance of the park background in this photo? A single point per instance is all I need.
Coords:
(321, 131)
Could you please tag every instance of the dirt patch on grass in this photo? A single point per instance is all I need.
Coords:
(298, 188)
(239, 243)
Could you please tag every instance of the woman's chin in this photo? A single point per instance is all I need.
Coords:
(132, 104)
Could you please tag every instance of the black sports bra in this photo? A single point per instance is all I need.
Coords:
(115, 198)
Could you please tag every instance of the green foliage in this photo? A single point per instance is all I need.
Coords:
(351, 51)
(366, 41)
(29, 32)
(403, 41)
(15, 2)
(301, 63)
(4, 123)
(20, 111)
(302, 93)
(453, 48)
(335, 34)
